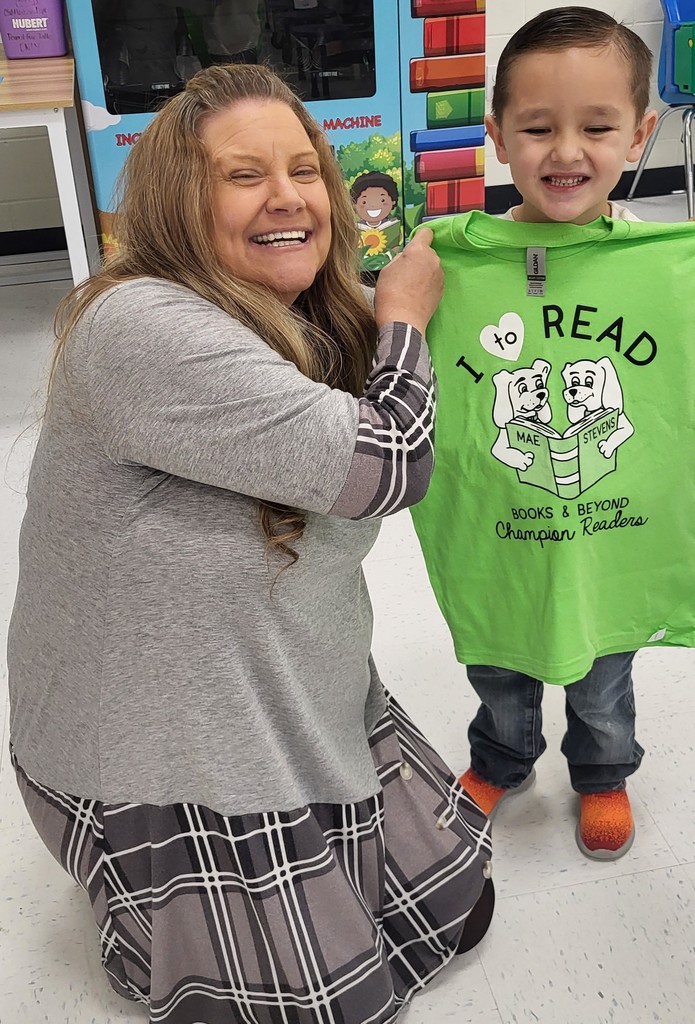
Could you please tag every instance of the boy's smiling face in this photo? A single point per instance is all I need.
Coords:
(567, 130)
(374, 205)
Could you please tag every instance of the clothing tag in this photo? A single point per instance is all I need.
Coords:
(535, 270)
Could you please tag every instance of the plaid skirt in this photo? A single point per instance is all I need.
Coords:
(328, 914)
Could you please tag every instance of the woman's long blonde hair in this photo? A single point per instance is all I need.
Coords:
(164, 226)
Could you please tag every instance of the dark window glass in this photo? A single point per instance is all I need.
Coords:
(149, 48)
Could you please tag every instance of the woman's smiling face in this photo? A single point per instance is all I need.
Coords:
(271, 207)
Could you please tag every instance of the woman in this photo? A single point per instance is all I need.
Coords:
(200, 734)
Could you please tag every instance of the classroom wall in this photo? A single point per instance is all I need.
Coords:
(28, 197)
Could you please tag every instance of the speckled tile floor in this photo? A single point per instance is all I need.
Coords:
(573, 941)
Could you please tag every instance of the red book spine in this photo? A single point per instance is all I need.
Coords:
(463, 34)
(439, 8)
(445, 197)
(452, 72)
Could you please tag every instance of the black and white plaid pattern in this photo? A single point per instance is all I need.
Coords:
(327, 914)
(394, 454)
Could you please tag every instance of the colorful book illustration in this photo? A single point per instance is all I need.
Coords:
(445, 197)
(455, 108)
(440, 8)
(450, 155)
(443, 164)
(459, 34)
(565, 464)
(429, 73)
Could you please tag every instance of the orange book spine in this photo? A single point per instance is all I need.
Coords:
(428, 74)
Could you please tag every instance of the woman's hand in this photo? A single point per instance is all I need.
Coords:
(410, 288)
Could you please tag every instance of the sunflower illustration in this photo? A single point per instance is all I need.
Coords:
(373, 241)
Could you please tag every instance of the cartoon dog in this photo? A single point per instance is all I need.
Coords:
(592, 386)
(519, 395)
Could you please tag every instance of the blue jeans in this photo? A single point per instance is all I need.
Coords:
(506, 734)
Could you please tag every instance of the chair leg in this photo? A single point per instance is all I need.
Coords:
(648, 150)
(688, 159)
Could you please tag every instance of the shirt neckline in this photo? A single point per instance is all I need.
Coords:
(504, 239)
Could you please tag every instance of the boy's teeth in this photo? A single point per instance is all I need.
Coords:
(566, 182)
(280, 238)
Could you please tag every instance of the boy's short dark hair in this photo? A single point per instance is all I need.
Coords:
(564, 27)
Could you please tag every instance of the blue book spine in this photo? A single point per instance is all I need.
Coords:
(430, 139)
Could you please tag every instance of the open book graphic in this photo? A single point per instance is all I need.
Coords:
(565, 464)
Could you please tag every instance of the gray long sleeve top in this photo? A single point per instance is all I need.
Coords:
(151, 658)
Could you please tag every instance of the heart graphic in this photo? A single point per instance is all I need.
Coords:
(505, 341)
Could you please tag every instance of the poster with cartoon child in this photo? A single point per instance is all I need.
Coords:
(375, 197)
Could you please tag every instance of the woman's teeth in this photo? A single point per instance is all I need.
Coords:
(278, 239)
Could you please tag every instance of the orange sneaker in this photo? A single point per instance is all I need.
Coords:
(487, 796)
(605, 830)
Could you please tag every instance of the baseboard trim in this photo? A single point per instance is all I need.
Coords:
(35, 267)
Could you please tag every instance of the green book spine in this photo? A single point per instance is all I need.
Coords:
(477, 111)
(455, 108)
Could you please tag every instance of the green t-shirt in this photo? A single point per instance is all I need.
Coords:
(560, 522)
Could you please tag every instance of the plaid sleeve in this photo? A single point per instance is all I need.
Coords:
(394, 455)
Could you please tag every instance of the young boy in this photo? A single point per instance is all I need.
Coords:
(569, 108)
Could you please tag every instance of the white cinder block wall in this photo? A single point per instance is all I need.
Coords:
(28, 196)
